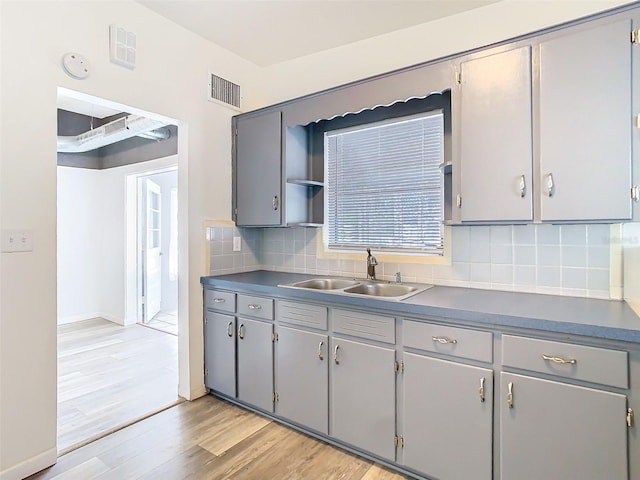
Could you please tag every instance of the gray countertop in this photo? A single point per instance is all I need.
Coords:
(605, 319)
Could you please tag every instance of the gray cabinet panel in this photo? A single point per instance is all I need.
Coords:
(302, 378)
(363, 396)
(496, 139)
(258, 173)
(220, 353)
(562, 431)
(255, 363)
(586, 124)
(444, 414)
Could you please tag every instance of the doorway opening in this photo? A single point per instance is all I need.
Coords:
(157, 196)
(112, 369)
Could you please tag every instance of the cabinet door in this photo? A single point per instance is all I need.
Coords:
(555, 430)
(259, 170)
(446, 415)
(302, 378)
(220, 353)
(363, 396)
(496, 145)
(586, 124)
(255, 363)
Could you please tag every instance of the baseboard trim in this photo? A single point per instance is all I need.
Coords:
(31, 466)
(78, 318)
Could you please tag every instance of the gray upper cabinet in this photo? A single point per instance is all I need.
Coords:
(302, 378)
(496, 138)
(555, 430)
(255, 363)
(258, 170)
(363, 396)
(447, 408)
(586, 124)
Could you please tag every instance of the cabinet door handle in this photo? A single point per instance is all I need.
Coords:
(481, 390)
(510, 394)
(551, 186)
(230, 329)
(275, 203)
(335, 355)
(241, 331)
(522, 186)
(570, 361)
(219, 300)
(444, 340)
(320, 350)
(254, 306)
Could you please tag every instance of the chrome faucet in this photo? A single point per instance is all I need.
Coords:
(371, 265)
(398, 278)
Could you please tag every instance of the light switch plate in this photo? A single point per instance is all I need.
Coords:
(17, 241)
(237, 244)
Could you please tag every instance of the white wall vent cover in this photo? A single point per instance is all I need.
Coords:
(224, 91)
(122, 46)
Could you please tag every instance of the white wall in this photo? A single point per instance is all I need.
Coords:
(170, 79)
(79, 244)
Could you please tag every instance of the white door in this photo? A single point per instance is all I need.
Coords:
(152, 253)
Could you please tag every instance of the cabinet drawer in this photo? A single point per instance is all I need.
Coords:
(591, 364)
(295, 313)
(219, 300)
(364, 325)
(258, 307)
(458, 342)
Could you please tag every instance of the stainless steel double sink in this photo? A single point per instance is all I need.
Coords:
(370, 288)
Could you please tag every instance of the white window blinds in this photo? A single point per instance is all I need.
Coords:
(384, 185)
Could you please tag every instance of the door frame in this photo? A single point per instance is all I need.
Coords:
(134, 243)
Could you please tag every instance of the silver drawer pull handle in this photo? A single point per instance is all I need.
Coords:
(320, 350)
(571, 361)
(510, 394)
(335, 354)
(254, 306)
(481, 390)
(219, 300)
(444, 340)
(241, 331)
(230, 329)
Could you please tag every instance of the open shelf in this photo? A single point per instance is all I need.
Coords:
(306, 183)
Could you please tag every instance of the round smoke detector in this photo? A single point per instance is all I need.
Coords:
(76, 65)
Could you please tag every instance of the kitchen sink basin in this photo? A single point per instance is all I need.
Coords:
(382, 289)
(325, 283)
(355, 287)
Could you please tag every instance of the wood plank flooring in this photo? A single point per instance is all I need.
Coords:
(210, 439)
(110, 375)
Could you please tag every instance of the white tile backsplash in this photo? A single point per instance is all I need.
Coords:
(556, 259)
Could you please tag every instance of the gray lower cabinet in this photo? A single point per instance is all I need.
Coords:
(363, 396)
(302, 378)
(586, 124)
(258, 170)
(220, 353)
(495, 139)
(552, 430)
(255, 363)
(448, 417)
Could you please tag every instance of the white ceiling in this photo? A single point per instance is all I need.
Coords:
(272, 31)
(84, 107)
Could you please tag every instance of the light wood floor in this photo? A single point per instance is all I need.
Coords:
(211, 439)
(165, 321)
(109, 375)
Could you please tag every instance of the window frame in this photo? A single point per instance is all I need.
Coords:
(385, 114)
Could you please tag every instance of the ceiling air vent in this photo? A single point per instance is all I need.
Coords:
(224, 91)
